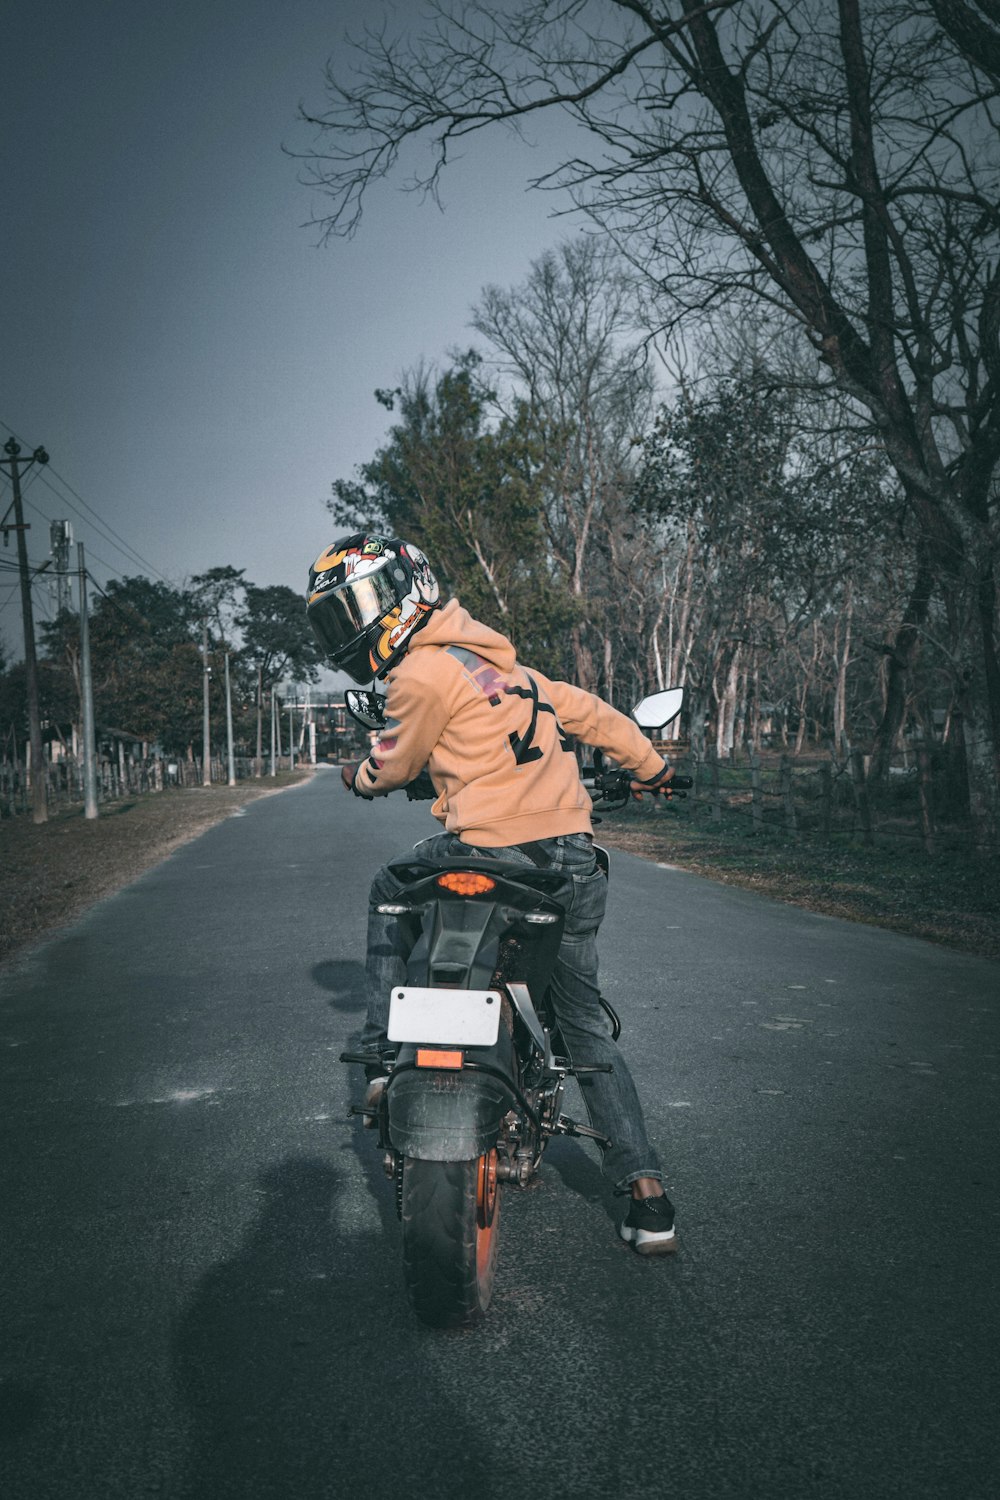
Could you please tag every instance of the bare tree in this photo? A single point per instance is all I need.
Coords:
(566, 339)
(837, 163)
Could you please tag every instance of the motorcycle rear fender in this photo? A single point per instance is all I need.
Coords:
(444, 1114)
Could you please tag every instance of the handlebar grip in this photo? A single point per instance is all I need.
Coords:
(681, 783)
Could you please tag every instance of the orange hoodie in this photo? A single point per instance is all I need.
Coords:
(494, 737)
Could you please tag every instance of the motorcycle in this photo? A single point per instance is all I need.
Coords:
(474, 1090)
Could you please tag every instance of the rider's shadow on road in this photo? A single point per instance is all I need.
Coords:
(283, 1360)
(363, 1145)
(581, 1174)
(344, 981)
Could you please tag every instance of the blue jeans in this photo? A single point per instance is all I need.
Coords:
(610, 1098)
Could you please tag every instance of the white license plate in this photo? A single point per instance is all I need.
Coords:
(457, 1018)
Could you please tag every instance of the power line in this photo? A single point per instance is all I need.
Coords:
(109, 534)
(111, 567)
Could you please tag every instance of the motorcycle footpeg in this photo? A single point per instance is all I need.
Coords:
(564, 1067)
(363, 1109)
(367, 1059)
(576, 1070)
(565, 1126)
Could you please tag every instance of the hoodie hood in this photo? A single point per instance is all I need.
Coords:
(454, 626)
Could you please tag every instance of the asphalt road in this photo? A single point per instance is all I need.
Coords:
(201, 1292)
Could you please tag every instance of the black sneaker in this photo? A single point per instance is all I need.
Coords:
(649, 1226)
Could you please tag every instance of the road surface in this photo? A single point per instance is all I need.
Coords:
(201, 1290)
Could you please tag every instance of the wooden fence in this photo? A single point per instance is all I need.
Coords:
(920, 804)
(116, 778)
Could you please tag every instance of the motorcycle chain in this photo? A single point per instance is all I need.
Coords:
(397, 1180)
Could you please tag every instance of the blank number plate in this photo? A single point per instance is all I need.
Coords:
(459, 1018)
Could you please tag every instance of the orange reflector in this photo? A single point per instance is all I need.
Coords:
(428, 1057)
(465, 883)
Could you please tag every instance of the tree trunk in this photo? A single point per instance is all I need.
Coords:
(754, 717)
(977, 664)
(843, 660)
(901, 656)
(583, 660)
(808, 682)
(698, 715)
(725, 732)
(609, 670)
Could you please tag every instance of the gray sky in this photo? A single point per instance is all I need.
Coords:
(198, 370)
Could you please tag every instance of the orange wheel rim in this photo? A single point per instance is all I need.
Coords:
(486, 1209)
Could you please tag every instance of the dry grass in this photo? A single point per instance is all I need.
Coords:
(953, 899)
(51, 872)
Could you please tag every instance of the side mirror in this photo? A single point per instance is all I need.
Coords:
(367, 708)
(656, 711)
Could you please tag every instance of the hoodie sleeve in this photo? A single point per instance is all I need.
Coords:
(590, 719)
(416, 713)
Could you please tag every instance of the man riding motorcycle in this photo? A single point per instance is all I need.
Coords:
(494, 738)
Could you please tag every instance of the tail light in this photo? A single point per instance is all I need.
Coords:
(435, 1057)
(466, 883)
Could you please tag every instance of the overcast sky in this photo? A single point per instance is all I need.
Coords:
(197, 368)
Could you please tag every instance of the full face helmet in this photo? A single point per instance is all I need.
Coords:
(367, 596)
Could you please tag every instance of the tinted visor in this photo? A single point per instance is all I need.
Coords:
(342, 615)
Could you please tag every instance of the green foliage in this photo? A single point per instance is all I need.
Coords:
(277, 640)
(767, 502)
(217, 597)
(145, 659)
(145, 643)
(472, 496)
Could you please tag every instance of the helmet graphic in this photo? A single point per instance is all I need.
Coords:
(367, 597)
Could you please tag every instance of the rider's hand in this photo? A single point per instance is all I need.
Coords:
(349, 776)
(657, 784)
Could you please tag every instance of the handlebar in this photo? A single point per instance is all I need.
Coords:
(611, 790)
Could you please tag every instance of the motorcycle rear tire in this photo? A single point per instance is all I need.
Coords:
(449, 1250)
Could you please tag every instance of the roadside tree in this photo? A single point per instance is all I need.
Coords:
(565, 339)
(472, 495)
(276, 643)
(836, 163)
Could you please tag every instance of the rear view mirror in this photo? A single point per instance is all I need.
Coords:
(656, 711)
(367, 708)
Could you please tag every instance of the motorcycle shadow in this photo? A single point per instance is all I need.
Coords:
(581, 1173)
(344, 981)
(281, 1360)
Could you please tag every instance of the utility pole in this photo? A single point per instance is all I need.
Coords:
(274, 767)
(231, 764)
(40, 811)
(86, 697)
(206, 726)
(291, 731)
(61, 539)
(258, 765)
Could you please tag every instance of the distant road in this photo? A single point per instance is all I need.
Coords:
(201, 1292)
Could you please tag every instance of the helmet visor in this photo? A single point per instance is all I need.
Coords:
(342, 615)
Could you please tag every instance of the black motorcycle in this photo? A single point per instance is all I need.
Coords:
(475, 1085)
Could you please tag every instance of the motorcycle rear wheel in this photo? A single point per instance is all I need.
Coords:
(451, 1223)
